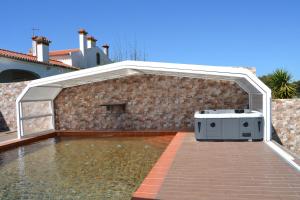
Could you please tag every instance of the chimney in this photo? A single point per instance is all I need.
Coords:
(105, 49)
(82, 41)
(91, 42)
(33, 48)
(42, 48)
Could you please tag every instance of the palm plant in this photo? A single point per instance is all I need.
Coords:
(297, 83)
(280, 83)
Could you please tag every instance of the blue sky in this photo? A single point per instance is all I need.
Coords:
(258, 33)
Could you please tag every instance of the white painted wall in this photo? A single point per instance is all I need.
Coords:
(91, 44)
(40, 69)
(82, 43)
(42, 52)
(76, 59)
(92, 58)
(65, 59)
(86, 57)
(33, 48)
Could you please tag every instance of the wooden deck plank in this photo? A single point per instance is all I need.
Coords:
(228, 170)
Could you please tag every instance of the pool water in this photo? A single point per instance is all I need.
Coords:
(79, 168)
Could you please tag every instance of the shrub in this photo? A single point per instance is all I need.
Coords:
(280, 83)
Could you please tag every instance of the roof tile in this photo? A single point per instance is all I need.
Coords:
(62, 52)
(31, 58)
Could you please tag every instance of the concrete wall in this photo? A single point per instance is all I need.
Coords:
(152, 102)
(286, 123)
(8, 94)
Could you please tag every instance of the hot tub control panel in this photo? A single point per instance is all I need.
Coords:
(228, 125)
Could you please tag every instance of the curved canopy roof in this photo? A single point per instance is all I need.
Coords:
(242, 76)
(48, 88)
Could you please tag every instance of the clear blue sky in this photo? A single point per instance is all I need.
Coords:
(261, 33)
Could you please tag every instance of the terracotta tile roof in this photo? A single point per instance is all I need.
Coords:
(30, 58)
(62, 52)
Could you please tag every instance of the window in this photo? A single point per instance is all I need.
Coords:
(98, 58)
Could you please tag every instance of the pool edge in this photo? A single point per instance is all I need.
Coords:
(120, 133)
(14, 143)
(151, 185)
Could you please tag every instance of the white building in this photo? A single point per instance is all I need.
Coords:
(41, 62)
(87, 55)
(15, 67)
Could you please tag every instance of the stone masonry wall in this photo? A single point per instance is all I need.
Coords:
(152, 102)
(40, 124)
(8, 95)
(286, 123)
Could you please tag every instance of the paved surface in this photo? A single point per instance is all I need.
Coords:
(229, 170)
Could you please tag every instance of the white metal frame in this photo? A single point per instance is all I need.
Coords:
(289, 159)
(243, 77)
(21, 117)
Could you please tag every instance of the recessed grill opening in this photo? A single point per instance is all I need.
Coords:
(246, 134)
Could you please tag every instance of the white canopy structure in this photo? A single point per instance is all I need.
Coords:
(42, 92)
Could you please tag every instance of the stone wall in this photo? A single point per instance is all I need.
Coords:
(286, 123)
(8, 94)
(143, 102)
(39, 124)
(152, 102)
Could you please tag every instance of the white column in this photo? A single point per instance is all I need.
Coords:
(19, 121)
(269, 116)
(53, 114)
(82, 44)
(42, 52)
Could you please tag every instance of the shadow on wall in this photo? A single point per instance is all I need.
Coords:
(3, 124)
(17, 75)
(275, 135)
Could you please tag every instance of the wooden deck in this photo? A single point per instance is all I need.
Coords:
(222, 170)
(190, 169)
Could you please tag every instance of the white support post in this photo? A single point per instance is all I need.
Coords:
(269, 117)
(19, 121)
(250, 101)
(53, 115)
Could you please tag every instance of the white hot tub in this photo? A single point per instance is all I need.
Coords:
(228, 124)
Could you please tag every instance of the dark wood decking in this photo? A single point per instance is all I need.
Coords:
(228, 170)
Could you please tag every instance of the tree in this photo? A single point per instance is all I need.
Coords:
(124, 50)
(266, 79)
(280, 83)
(297, 84)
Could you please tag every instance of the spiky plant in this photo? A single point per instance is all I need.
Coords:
(280, 82)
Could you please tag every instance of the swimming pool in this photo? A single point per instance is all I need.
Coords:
(79, 168)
